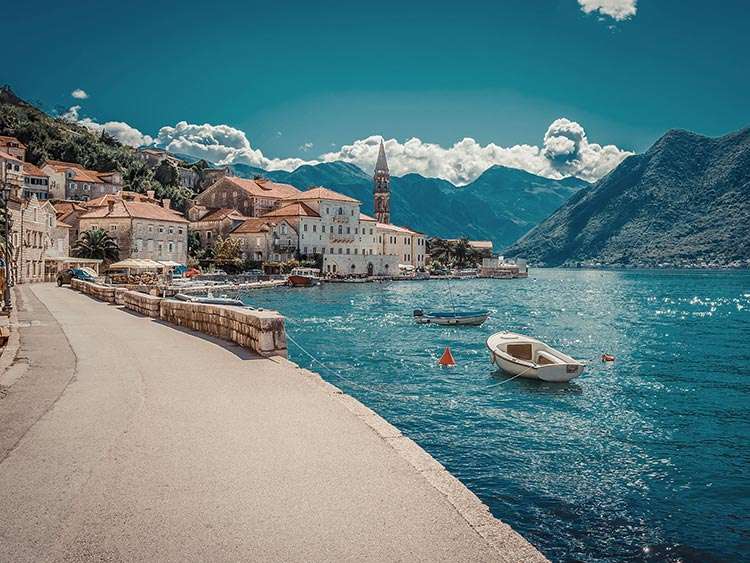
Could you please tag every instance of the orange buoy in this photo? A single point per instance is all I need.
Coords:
(447, 358)
(608, 358)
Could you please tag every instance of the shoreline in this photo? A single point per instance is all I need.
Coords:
(500, 538)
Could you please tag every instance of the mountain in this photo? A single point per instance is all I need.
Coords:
(501, 205)
(684, 202)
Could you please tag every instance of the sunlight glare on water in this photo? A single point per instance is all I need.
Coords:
(647, 458)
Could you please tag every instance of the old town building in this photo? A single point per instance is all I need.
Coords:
(74, 182)
(35, 182)
(266, 239)
(252, 198)
(213, 223)
(142, 229)
(13, 147)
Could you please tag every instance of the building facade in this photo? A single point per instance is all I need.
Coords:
(210, 224)
(34, 236)
(74, 182)
(264, 239)
(13, 147)
(142, 229)
(251, 198)
(409, 246)
(35, 182)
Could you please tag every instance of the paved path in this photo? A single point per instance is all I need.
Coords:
(128, 439)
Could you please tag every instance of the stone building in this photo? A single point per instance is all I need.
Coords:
(266, 239)
(252, 198)
(213, 223)
(34, 234)
(142, 229)
(13, 147)
(409, 246)
(35, 182)
(72, 181)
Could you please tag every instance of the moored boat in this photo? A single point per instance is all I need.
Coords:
(523, 356)
(468, 318)
(304, 277)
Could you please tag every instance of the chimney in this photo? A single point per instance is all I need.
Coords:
(150, 194)
(110, 205)
(165, 203)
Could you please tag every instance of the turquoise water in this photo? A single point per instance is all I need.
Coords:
(644, 459)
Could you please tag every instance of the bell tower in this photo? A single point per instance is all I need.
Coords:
(382, 188)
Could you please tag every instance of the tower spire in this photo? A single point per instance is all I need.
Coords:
(382, 187)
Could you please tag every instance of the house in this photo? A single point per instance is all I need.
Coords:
(213, 223)
(331, 224)
(265, 239)
(35, 182)
(209, 176)
(69, 213)
(409, 246)
(34, 232)
(252, 198)
(13, 147)
(186, 177)
(142, 229)
(72, 181)
(11, 170)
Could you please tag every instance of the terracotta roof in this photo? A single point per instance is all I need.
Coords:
(63, 225)
(263, 188)
(297, 209)
(4, 140)
(68, 206)
(61, 165)
(32, 170)
(363, 217)
(222, 213)
(323, 193)
(135, 210)
(7, 156)
(253, 225)
(119, 196)
(397, 229)
(81, 174)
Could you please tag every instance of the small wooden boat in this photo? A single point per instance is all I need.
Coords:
(304, 277)
(528, 357)
(211, 300)
(467, 318)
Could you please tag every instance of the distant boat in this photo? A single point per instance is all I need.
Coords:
(528, 357)
(304, 277)
(211, 300)
(469, 318)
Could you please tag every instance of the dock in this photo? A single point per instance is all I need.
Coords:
(128, 438)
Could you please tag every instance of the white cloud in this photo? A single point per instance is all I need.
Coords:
(120, 130)
(307, 147)
(79, 94)
(616, 9)
(565, 151)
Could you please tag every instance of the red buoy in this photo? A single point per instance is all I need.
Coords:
(608, 358)
(447, 358)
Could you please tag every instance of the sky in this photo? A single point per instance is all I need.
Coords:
(555, 87)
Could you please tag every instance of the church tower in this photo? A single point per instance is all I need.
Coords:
(382, 188)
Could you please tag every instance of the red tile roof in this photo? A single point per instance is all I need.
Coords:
(397, 229)
(363, 217)
(32, 170)
(323, 193)
(6, 156)
(253, 225)
(263, 187)
(135, 210)
(119, 196)
(221, 213)
(297, 209)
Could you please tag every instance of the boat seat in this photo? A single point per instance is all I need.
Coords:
(520, 351)
(545, 358)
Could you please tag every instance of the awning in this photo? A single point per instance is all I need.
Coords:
(136, 264)
(170, 263)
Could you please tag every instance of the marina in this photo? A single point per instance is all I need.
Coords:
(637, 458)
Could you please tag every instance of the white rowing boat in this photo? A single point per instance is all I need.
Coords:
(523, 356)
(466, 318)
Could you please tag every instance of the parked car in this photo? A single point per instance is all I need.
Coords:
(65, 276)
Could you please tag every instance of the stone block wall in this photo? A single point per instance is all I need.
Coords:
(262, 332)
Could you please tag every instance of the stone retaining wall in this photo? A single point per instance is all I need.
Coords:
(262, 332)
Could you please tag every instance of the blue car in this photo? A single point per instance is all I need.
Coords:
(65, 276)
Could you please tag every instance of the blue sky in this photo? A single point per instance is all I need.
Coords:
(305, 78)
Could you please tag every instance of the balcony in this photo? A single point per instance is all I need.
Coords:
(340, 238)
(341, 218)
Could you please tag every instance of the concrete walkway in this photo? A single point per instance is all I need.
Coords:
(127, 439)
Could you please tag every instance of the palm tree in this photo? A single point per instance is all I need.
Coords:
(462, 252)
(439, 249)
(96, 243)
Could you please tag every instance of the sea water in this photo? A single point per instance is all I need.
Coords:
(646, 458)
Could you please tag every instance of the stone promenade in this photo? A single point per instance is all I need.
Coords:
(123, 438)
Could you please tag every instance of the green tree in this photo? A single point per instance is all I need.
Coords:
(194, 244)
(462, 251)
(440, 250)
(96, 243)
(227, 253)
(166, 174)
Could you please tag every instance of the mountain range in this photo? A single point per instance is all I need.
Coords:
(500, 205)
(684, 202)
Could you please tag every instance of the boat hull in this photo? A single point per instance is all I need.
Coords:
(302, 281)
(554, 374)
(455, 321)
(531, 359)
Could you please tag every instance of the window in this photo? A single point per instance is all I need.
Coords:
(341, 251)
(208, 235)
(170, 247)
(341, 230)
(171, 230)
(150, 228)
(315, 228)
(161, 228)
(341, 210)
(305, 251)
(179, 231)
(304, 227)
(113, 227)
(328, 211)
(139, 244)
(348, 230)
(356, 251)
(315, 249)
(348, 250)
(332, 229)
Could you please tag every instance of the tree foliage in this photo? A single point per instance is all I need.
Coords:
(98, 244)
(227, 253)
